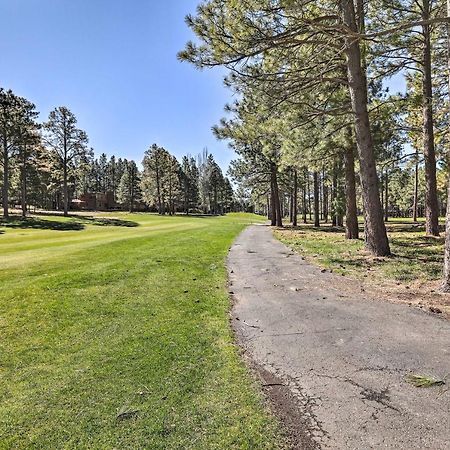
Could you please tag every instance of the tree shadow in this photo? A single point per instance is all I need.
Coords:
(202, 216)
(419, 242)
(92, 220)
(321, 229)
(41, 224)
(107, 222)
(405, 227)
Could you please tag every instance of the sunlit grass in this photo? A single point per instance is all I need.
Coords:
(415, 256)
(115, 334)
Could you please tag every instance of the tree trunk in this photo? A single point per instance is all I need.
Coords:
(295, 200)
(273, 213)
(158, 192)
(309, 196)
(351, 215)
(431, 201)
(65, 191)
(375, 230)
(325, 198)
(386, 196)
(320, 180)
(23, 183)
(291, 207)
(446, 274)
(276, 198)
(305, 220)
(215, 200)
(339, 194)
(316, 200)
(334, 197)
(5, 178)
(416, 189)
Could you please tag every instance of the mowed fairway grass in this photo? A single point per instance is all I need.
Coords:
(114, 333)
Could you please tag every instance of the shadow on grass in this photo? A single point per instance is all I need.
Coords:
(74, 223)
(405, 227)
(419, 243)
(107, 222)
(321, 229)
(414, 255)
(92, 220)
(40, 224)
(202, 216)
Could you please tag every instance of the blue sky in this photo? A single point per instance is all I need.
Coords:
(113, 63)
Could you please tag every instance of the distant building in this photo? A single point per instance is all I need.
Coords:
(97, 201)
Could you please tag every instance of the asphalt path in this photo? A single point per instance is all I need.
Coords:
(335, 364)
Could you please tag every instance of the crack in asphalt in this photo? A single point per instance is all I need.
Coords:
(367, 393)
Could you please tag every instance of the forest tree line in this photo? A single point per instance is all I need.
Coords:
(51, 166)
(312, 107)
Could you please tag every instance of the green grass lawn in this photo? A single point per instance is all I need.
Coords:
(115, 334)
(415, 256)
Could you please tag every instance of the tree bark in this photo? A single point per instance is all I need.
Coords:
(325, 198)
(276, 197)
(316, 200)
(431, 201)
(351, 215)
(386, 196)
(309, 195)
(305, 220)
(375, 230)
(416, 189)
(273, 213)
(295, 200)
(334, 197)
(320, 180)
(446, 275)
(291, 207)
(339, 195)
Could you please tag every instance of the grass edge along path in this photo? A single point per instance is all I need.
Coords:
(411, 248)
(124, 341)
(411, 275)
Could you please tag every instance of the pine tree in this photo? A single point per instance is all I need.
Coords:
(68, 145)
(129, 192)
(17, 130)
(157, 166)
(189, 177)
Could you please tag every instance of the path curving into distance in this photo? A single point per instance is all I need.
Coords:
(334, 365)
